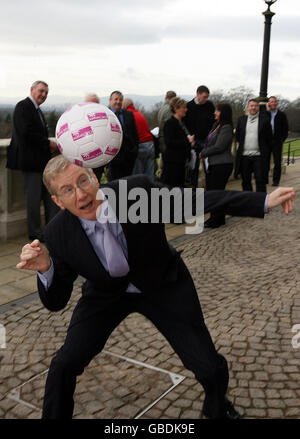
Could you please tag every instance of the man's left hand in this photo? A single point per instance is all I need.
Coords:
(283, 196)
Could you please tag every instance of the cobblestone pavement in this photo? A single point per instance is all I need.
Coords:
(248, 280)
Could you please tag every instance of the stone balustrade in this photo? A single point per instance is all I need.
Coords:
(12, 198)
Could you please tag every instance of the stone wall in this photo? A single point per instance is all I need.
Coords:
(12, 199)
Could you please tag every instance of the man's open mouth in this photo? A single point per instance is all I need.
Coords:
(86, 206)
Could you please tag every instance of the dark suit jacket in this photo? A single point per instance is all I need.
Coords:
(178, 147)
(154, 264)
(281, 127)
(200, 119)
(29, 146)
(264, 138)
(129, 148)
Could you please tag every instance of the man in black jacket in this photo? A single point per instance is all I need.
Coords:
(122, 165)
(254, 135)
(280, 130)
(142, 274)
(199, 121)
(29, 151)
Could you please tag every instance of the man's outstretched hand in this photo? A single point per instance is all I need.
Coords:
(34, 257)
(283, 196)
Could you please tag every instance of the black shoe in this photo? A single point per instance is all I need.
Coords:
(210, 224)
(230, 413)
(275, 184)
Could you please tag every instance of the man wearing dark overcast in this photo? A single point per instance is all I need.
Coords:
(128, 268)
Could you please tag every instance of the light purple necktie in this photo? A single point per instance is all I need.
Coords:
(116, 261)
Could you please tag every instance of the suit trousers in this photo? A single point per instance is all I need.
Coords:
(175, 311)
(35, 192)
(120, 171)
(276, 150)
(250, 165)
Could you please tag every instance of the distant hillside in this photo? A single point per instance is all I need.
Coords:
(57, 102)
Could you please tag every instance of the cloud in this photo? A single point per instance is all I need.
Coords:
(69, 23)
(236, 28)
(72, 23)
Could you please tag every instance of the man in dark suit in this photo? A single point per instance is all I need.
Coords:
(122, 165)
(29, 151)
(199, 121)
(280, 130)
(128, 268)
(254, 135)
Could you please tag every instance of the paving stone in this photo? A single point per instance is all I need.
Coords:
(257, 393)
(256, 413)
(250, 304)
(275, 413)
(173, 412)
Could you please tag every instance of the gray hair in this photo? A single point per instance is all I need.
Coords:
(54, 167)
(127, 102)
(92, 97)
(36, 83)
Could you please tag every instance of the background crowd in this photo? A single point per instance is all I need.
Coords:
(190, 135)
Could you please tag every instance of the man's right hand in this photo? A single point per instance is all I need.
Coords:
(34, 257)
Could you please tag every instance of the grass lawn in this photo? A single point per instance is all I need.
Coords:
(295, 146)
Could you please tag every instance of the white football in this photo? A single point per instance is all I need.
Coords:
(89, 134)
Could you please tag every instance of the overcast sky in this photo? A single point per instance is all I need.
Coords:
(145, 46)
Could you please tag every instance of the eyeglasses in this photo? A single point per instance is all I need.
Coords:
(83, 183)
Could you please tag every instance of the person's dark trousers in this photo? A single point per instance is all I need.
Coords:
(173, 174)
(117, 172)
(35, 192)
(276, 150)
(253, 165)
(194, 173)
(98, 172)
(216, 178)
(175, 311)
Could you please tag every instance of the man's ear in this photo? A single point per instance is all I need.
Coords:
(95, 178)
(57, 202)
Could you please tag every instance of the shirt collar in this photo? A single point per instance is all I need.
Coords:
(106, 215)
(33, 101)
(114, 111)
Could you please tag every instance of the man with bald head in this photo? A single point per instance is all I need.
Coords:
(92, 97)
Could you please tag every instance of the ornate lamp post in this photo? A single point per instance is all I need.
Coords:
(266, 49)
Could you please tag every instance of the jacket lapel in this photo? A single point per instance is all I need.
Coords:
(81, 245)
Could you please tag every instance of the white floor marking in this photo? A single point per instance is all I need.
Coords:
(176, 379)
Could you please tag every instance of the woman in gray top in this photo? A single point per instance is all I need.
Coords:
(217, 156)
